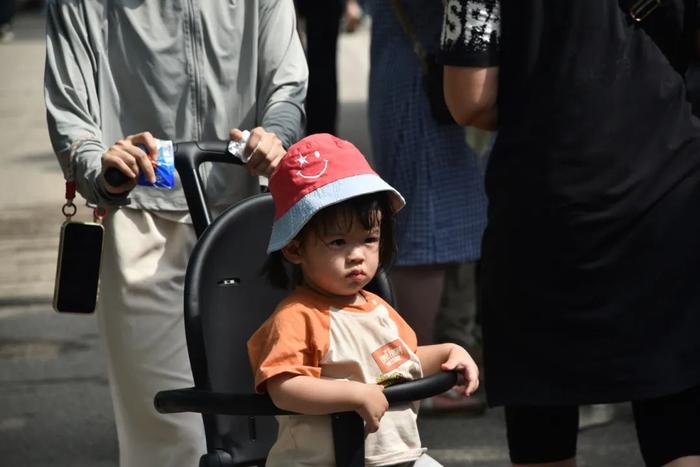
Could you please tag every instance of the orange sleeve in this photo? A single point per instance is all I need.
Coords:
(405, 331)
(293, 340)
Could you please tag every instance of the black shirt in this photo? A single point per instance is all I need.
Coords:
(591, 254)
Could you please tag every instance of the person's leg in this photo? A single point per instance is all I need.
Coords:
(456, 322)
(140, 317)
(7, 12)
(322, 23)
(418, 290)
(542, 436)
(456, 317)
(668, 429)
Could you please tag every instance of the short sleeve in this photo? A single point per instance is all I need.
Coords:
(293, 340)
(471, 33)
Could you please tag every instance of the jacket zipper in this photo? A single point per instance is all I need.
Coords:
(195, 69)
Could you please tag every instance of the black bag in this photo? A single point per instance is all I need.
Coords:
(434, 89)
(432, 72)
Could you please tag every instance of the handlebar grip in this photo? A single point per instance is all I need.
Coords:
(421, 388)
(115, 177)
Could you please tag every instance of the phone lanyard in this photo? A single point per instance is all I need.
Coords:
(69, 208)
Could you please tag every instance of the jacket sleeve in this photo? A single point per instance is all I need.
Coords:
(72, 103)
(282, 71)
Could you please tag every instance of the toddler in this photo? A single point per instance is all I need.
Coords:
(331, 346)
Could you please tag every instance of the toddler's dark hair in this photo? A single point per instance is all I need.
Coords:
(371, 210)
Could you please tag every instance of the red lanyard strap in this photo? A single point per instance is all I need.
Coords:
(70, 190)
(69, 208)
(99, 213)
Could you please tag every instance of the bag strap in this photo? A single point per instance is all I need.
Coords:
(418, 48)
(641, 9)
(691, 28)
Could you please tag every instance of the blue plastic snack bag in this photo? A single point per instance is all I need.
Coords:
(165, 170)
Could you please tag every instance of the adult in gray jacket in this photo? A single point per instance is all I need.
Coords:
(121, 74)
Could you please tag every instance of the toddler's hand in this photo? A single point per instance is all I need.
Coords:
(459, 359)
(372, 405)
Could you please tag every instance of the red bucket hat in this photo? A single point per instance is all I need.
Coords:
(319, 171)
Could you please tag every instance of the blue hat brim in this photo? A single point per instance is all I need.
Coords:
(290, 223)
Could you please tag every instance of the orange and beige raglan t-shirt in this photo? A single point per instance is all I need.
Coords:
(309, 334)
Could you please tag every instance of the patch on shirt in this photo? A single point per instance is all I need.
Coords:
(390, 356)
(471, 24)
(392, 379)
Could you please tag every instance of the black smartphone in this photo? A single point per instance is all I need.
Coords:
(78, 269)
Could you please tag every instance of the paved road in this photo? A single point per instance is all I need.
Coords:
(54, 399)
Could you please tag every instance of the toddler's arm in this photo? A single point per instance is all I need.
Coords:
(315, 396)
(448, 357)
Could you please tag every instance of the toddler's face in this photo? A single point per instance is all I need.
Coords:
(340, 261)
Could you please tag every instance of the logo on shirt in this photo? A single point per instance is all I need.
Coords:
(474, 23)
(390, 356)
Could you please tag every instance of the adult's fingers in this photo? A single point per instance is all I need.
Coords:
(147, 140)
(254, 148)
(145, 159)
(116, 157)
(259, 161)
(265, 153)
(236, 134)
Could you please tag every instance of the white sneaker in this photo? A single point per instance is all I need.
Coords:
(590, 416)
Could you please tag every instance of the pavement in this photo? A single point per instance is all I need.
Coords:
(55, 407)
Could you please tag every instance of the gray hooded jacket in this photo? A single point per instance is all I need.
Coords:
(182, 69)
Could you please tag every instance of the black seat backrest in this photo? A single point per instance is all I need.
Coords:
(226, 300)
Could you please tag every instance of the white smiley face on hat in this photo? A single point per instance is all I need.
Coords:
(302, 160)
